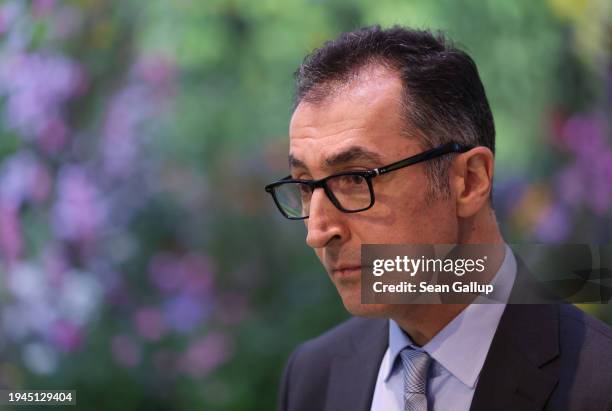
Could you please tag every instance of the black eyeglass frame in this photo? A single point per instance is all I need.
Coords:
(368, 175)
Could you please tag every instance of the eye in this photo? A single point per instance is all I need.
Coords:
(353, 180)
(349, 182)
(304, 189)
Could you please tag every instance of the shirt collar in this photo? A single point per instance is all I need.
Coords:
(462, 345)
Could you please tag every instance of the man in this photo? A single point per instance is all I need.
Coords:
(368, 99)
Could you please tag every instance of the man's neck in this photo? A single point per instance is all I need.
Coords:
(423, 321)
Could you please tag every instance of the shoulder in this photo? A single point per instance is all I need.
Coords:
(339, 340)
(307, 371)
(580, 327)
(587, 336)
(586, 359)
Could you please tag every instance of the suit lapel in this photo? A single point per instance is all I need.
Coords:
(517, 374)
(519, 371)
(353, 376)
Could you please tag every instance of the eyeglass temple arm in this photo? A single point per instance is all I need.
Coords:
(269, 187)
(427, 155)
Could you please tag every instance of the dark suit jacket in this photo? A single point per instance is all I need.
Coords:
(542, 357)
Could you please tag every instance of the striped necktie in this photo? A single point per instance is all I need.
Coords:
(416, 363)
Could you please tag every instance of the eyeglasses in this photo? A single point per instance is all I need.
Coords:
(349, 191)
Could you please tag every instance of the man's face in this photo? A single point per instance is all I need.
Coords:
(361, 128)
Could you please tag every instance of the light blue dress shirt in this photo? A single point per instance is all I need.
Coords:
(458, 352)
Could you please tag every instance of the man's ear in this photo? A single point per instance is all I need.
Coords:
(472, 180)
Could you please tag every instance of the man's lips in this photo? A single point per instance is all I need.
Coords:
(346, 270)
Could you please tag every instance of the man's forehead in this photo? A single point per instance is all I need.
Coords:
(360, 123)
(374, 94)
(342, 156)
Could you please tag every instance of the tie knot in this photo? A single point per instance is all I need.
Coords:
(416, 365)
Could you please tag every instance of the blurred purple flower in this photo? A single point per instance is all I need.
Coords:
(183, 313)
(554, 225)
(570, 185)
(127, 110)
(165, 272)
(11, 242)
(158, 71)
(40, 8)
(126, 351)
(48, 308)
(198, 277)
(24, 178)
(600, 189)
(190, 274)
(53, 135)
(609, 82)
(27, 283)
(131, 110)
(40, 184)
(584, 134)
(508, 192)
(80, 211)
(55, 263)
(66, 336)
(205, 354)
(587, 182)
(4, 19)
(9, 11)
(150, 323)
(37, 87)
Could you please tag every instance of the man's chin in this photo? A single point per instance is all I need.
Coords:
(350, 293)
(355, 307)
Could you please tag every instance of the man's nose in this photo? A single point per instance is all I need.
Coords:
(324, 223)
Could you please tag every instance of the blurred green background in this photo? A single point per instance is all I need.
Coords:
(143, 265)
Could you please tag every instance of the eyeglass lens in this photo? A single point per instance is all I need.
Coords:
(352, 192)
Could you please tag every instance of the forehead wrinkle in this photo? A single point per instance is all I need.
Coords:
(345, 156)
(296, 162)
(351, 154)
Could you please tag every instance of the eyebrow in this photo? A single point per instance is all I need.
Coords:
(350, 154)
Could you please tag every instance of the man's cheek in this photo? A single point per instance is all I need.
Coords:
(320, 256)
